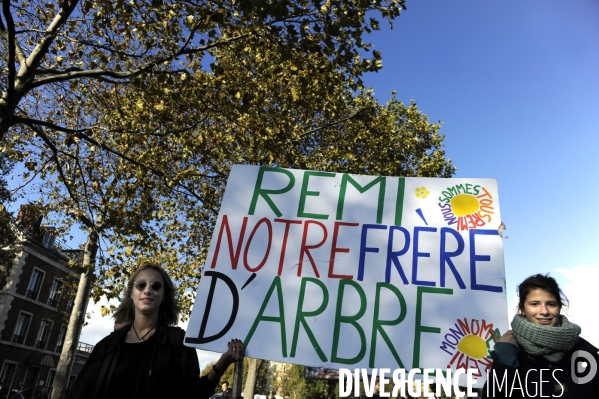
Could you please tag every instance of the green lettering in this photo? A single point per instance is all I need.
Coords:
(419, 327)
(401, 187)
(349, 320)
(381, 200)
(276, 284)
(377, 324)
(302, 201)
(258, 191)
(301, 316)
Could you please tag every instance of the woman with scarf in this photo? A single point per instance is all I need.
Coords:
(543, 354)
(145, 357)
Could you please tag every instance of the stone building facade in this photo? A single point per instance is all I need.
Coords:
(35, 304)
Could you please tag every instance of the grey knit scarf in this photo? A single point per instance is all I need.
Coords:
(550, 342)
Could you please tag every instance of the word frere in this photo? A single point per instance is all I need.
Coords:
(443, 378)
(396, 249)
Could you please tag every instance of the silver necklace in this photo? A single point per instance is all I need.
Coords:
(145, 335)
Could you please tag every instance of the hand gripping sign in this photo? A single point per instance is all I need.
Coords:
(348, 271)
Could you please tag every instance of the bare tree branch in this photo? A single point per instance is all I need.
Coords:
(41, 50)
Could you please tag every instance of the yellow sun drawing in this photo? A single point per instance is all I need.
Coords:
(473, 346)
(422, 192)
(464, 204)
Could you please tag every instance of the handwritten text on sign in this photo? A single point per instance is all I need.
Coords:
(327, 269)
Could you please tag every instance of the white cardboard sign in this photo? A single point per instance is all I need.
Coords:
(349, 271)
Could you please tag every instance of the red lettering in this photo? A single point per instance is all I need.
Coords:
(462, 223)
(486, 328)
(305, 249)
(335, 250)
(464, 326)
(247, 246)
(486, 363)
(284, 245)
(224, 226)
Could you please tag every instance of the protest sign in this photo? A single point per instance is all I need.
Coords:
(348, 271)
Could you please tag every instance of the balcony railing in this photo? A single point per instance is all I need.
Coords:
(40, 344)
(32, 294)
(53, 302)
(83, 347)
(18, 338)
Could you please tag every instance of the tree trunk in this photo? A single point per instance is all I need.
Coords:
(67, 356)
(250, 381)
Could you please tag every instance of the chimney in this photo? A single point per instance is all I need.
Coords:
(30, 218)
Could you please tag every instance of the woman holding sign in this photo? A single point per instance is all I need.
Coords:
(146, 357)
(543, 355)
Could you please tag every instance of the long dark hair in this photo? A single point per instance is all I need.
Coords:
(169, 309)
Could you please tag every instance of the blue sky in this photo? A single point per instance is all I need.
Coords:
(516, 86)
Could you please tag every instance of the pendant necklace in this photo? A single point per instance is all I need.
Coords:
(145, 335)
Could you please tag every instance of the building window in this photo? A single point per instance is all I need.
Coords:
(61, 336)
(49, 384)
(31, 381)
(7, 374)
(70, 304)
(35, 283)
(48, 237)
(51, 375)
(55, 293)
(44, 333)
(21, 328)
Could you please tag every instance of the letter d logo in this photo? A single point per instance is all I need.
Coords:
(574, 367)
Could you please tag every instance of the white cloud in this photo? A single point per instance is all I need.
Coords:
(581, 287)
(97, 326)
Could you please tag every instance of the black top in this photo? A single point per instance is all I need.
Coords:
(129, 369)
(537, 377)
(159, 368)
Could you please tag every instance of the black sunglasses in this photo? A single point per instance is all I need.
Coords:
(141, 285)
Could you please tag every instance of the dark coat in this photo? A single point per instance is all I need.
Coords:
(173, 370)
(540, 378)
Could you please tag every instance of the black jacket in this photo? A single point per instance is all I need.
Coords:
(172, 369)
(540, 378)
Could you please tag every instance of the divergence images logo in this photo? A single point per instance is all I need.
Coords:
(467, 206)
(578, 366)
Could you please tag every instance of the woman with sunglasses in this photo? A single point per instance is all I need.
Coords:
(146, 358)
